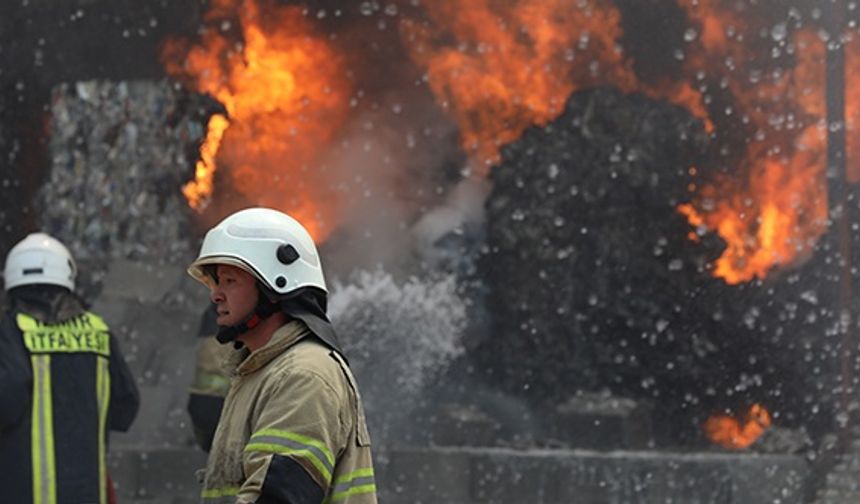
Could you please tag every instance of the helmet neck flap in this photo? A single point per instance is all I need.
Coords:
(307, 305)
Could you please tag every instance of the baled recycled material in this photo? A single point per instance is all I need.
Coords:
(63, 385)
(292, 429)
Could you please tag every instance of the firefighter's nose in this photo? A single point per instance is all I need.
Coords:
(216, 295)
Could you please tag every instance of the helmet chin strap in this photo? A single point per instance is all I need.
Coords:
(263, 310)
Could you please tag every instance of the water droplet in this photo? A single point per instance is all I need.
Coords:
(810, 297)
(779, 32)
(366, 8)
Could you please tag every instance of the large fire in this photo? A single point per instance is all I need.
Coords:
(774, 216)
(285, 96)
(737, 433)
(499, 68)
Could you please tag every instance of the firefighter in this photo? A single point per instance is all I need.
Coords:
(211, 381)
(292, 429)
(63, 382)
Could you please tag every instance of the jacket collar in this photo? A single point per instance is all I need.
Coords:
(49, 304)
(284, 337)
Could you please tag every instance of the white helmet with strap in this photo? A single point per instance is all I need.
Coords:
(40, 259)
(266, 243)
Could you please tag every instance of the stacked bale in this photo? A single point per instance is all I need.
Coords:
(120, 153)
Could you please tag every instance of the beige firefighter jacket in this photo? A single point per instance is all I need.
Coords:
(210, 377)
(293, 399)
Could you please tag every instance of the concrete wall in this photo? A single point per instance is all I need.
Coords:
(464, 475)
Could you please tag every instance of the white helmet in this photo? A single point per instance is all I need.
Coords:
(266, 243)
(40, 259)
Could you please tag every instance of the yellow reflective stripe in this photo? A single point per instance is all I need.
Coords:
(356, 490)
(42, 433)
(368, 471)
(280, 449)
(36, 447)
(87, 333)
(103, 395)
(97, 322)
(357, 482)
(214, 493)
(299, 438)
(294, 444)
(86, 320)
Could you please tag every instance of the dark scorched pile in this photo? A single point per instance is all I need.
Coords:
(595, 285)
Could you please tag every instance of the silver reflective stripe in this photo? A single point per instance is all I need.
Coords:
(294, 445)
(345, 487)
(357, 482)
(42, 433)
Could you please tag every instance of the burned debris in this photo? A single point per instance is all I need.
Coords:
(597, 283)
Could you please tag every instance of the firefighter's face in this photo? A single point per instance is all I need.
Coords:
(234, 292)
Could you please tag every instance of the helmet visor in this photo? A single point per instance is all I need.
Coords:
(203, 269)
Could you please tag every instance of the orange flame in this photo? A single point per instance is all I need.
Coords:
(773, 224)
(199, 190)
(773, 217)
(500, 68)
(736, 434)
(283, 88)
(852, 106)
